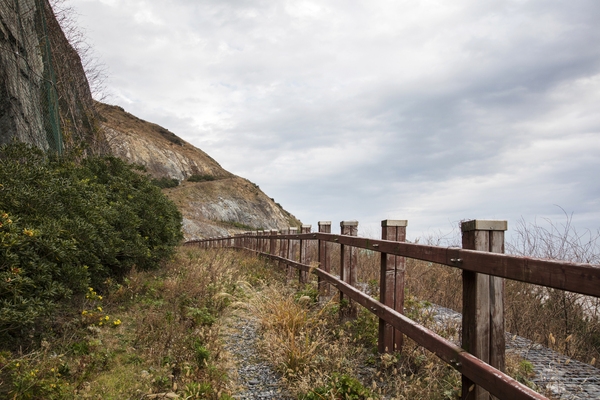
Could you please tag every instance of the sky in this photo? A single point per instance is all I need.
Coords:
(430, 111)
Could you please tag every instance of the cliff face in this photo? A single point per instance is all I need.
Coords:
(221, 204)
(45, 98)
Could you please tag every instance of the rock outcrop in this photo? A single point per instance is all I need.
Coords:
(220, 203)
(45, 100)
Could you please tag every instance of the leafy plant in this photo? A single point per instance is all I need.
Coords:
(201, 178)
(340, 386)
(165, 183)
(67, 225)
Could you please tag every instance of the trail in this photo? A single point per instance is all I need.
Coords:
(253, 377)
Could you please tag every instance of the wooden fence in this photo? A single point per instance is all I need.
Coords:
(480, 360)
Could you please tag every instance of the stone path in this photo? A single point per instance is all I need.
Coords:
(255, 378)
(565, 379)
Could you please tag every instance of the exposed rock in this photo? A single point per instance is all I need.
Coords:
(225, 205)
(45, 99)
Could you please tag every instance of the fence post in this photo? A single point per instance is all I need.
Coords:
(292, 250)
(483, 303)
(283, 248)
(348, 261)
(273, 244)
(304, 259)
(324, 262)
(391, 285)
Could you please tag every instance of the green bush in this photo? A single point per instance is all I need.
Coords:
(165, 183)
(200, 178)
(66, 225)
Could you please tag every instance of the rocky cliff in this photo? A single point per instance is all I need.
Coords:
(45, 98)
(219, 203)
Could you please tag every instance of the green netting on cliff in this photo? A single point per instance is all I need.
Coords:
(30, 80)
(50, 98)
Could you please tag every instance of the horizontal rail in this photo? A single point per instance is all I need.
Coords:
(574, 277)
(482, 374)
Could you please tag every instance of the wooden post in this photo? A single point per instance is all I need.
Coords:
(304, 259)
(391, 285)
(348, 261)
(273, 245)
(293, 249)
(483, 303)
(283, 248)
(260, 241)
(324, 262)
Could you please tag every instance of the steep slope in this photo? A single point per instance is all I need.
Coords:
(45, 99)
(223, 205)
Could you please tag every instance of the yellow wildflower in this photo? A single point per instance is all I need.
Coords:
(106, 318)
(99, 308)
(117, 322)
(28, 232)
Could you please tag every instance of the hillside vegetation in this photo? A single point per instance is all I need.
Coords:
(68, 224)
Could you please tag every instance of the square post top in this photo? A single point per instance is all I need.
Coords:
(484, 225)
(394, 222)
(306, 227)
(293, 229)
(323, 223)
(348, 223)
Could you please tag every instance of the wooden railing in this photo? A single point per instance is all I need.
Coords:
(480, 360)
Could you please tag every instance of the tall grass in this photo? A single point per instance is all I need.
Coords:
(154, 332)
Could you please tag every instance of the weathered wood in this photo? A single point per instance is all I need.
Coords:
(348, 261)
(293, 249)
(273, 242)
(497, 328)
(283, 248)
(302, 275)
(574, 277)
(324, 261)
(483, 304)
(391, 285)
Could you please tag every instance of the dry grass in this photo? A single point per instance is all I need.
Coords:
(162, 335)
(309, 345)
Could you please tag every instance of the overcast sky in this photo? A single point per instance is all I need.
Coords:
(431, 111)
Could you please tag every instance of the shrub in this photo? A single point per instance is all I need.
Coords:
(201, 178)
(66, 226)
(165, 183)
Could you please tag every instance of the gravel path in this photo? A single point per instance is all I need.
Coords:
(565, 379)
(255, 379)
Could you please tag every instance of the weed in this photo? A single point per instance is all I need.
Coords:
(340, 387)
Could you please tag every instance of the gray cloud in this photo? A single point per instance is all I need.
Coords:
(429, 111)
